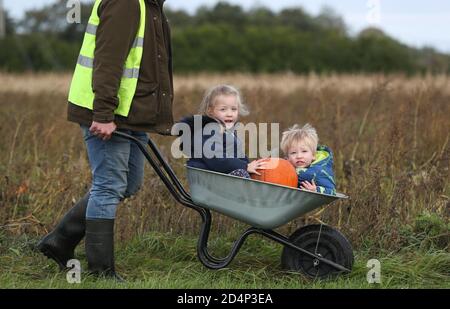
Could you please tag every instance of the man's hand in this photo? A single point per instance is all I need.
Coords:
(103, 130)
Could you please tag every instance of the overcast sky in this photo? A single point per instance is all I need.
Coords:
(414, 22)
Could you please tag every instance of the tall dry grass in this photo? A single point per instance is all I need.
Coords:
(390, 136)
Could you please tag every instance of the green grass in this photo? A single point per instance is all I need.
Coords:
(166, 261)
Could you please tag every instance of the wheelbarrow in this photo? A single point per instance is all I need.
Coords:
(316, 250)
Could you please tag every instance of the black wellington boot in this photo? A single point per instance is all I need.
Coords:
(60, 244)
(99, 245)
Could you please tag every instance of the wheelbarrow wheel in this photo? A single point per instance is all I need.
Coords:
(331, 245)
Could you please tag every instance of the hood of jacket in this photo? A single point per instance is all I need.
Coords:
(324, 156)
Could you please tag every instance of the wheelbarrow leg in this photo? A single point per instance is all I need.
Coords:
(202, 246)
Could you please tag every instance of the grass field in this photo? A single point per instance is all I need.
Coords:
(390, 137)
(160, 260)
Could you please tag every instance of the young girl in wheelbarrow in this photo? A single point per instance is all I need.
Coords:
(214, 144)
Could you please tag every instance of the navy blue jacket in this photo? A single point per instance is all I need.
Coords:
(226, 148)
(321, 171)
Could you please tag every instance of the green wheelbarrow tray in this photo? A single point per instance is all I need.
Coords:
(257, 203)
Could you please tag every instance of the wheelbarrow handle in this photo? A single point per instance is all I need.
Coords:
(163, 170)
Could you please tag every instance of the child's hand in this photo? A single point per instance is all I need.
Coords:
(256, 165)
(310, 186)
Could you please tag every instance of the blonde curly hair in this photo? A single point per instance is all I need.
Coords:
(306, 134)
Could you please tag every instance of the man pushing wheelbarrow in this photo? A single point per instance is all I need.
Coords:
(107, 96)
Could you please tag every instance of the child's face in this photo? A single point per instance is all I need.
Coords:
(300, 155)
(225, 109)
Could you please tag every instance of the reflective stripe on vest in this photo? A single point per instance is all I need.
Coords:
(89, 63)
(92, 29)
(81, 92)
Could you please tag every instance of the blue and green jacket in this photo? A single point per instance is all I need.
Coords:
(321, 171)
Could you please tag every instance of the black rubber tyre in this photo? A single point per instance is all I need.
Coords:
(332, 245)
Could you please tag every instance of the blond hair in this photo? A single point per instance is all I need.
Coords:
(307, 134)
(209, 100)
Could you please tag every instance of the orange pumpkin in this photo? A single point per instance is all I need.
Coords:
(279, 171)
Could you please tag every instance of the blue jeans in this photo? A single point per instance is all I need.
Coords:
(117, 167)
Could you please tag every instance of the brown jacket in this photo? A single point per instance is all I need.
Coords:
(151, 109)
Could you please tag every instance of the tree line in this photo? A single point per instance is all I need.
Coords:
(227, 38)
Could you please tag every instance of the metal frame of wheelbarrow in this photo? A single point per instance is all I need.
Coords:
(173, 184)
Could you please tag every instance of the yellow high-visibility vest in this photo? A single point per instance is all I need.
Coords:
(81, 92)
